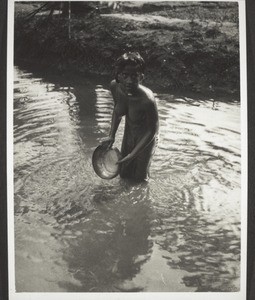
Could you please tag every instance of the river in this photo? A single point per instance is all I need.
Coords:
(75, 232)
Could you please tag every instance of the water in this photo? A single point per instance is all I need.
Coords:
(75, 232)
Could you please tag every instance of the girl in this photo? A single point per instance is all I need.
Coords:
(137, 104)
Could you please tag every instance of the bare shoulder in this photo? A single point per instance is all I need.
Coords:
(113, 85)
(147, 94)
(113, 88)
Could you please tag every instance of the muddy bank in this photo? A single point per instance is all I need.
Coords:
(187, 46)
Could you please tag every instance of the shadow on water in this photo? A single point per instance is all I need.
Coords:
(77, 232)
(108, 251)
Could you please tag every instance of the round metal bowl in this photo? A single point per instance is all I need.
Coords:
(105, 160)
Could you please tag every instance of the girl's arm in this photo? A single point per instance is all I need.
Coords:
(116, 118)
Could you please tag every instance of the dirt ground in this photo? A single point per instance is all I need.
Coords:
(189, 46)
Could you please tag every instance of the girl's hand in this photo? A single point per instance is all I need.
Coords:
(127, 158)
(107, 142)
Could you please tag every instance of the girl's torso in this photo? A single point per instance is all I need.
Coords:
(133, 107)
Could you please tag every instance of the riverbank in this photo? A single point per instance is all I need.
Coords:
(187, 46)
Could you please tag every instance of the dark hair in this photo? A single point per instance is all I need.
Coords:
(129, 58)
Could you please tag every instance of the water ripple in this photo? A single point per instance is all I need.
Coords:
(180, 232)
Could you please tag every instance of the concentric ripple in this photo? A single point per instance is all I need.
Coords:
(75, 232)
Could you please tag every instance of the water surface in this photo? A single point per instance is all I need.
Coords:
(75, 232)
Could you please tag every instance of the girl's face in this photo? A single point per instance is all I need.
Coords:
(129, 78)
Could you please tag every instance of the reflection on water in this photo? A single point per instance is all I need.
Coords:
(77, 232)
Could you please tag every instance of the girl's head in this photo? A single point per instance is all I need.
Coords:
(133, 59)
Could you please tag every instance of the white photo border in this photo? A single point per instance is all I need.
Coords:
(241, 295)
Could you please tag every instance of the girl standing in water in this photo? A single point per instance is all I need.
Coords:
(137, 104)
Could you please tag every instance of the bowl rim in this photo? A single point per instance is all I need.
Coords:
(95, 157)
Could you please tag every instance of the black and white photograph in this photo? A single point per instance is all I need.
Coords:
(127, 150)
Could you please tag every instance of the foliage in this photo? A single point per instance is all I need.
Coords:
(193, 52)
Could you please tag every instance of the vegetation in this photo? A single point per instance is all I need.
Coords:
(187, 45)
